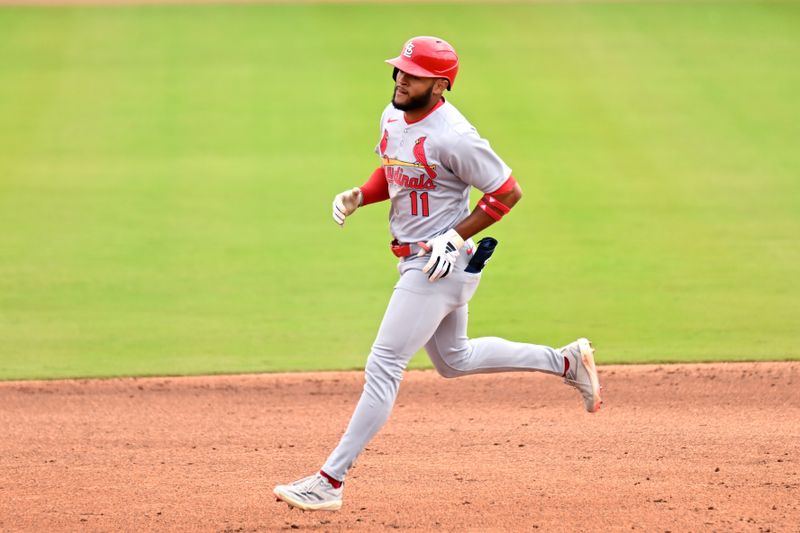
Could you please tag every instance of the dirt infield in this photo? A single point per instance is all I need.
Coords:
(678, 448)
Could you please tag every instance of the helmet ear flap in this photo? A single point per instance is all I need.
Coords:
(394, 73)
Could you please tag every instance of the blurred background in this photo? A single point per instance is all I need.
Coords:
(166, 176)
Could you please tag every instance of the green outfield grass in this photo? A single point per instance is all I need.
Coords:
(166, 176)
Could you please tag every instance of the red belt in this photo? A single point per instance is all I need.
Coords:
(400, 249)
(405, 249)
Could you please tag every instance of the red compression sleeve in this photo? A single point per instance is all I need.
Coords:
(375, 189)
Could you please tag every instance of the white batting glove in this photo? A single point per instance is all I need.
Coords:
(444, 252)
(345, 204)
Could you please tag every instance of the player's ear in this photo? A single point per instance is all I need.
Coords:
(440, 86)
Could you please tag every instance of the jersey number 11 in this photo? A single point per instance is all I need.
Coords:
(423, 199)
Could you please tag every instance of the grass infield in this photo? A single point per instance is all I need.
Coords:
(166, 174)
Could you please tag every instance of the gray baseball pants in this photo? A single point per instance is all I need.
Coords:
(433, 315)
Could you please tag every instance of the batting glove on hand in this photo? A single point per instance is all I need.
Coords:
(444, 252)
(345, 204)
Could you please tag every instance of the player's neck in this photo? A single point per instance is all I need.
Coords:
(418, 114)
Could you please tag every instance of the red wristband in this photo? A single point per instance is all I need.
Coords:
(493, 207)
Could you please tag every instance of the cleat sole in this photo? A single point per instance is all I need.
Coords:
(323, 506)
(587, 356)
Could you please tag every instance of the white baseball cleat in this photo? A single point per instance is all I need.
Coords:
(582, 373)
(312, 493)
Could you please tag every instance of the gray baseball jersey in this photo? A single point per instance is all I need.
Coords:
(430, 165)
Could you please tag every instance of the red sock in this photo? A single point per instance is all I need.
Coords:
(566, 367)
(335, 482)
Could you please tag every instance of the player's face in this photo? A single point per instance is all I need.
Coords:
(412, 92)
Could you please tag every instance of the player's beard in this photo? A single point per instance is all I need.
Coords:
(415, 102)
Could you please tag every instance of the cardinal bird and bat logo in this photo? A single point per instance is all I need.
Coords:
(422, 159)
(394, 167)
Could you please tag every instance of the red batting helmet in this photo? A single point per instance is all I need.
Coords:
(427, 57)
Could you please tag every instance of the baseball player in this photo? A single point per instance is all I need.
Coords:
(430, 158)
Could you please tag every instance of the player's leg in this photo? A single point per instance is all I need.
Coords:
(414, 312)
(454, 354)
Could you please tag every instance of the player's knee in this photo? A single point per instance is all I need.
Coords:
(448, 368)
(384, 368)
(448, 372)
(383, 375)
(452, 363)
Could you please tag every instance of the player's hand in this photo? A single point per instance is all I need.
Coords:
(444, 252)
(345, 204)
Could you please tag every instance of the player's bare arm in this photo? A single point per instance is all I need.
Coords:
(479, 219)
